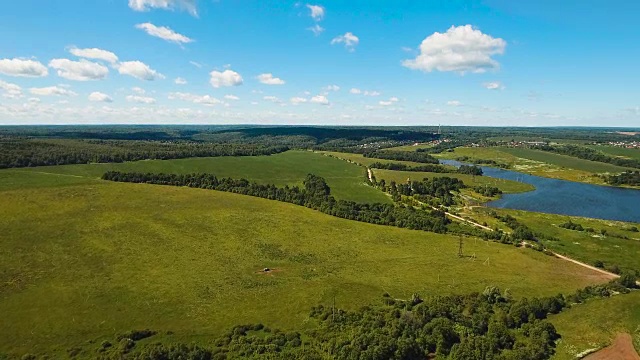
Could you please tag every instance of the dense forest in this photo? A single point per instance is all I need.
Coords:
(487, 325)
(625, 178)
(413, 156)
(29, 152)
(478, 161)
(582, 152)
(316, 195)
(403, 167)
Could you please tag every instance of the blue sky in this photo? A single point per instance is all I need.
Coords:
(363, 62)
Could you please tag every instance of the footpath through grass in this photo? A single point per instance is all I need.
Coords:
(347, 181)
(87, 262)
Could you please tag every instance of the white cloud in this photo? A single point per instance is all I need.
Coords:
(461, 49)
(10, 91)
(180, 81)
(146, 5)
(23, 68)
(141, 99)
(225, 78)
(389, 102)
(231, 97)
(316, 29)
(97, 96)
(269, 79)
(138, 90)
(317, 12)
(206, 100)
(332, 88)
(348, 39)
(52, 91)
(164, 33)
(494, 85)
(372, 93)
(357, 91)
(298, 100)
(196, 64)
(320, 99)
(454, 103)
(96, 54)
(139, 70)
(273, 99)
(82, 70)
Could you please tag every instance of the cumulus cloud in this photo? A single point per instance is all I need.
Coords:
(164, 33)
(231, 97)
(320, 99)
(332, 88)
(225, 78)
(316, 29)
(10, 91)
(138, 90)
(389, 102)
(269, 79)
(97, 96)
(461, 49)
(146, 5)
(454, 103)
(357, 91)
(82, 70)
(95, 54)
(348, 39)
(52, 91)
(138, 70)
(180, 81)
(206, 100)
(317, 12)
(298, 100)
(23, 68)
(494, 85)
(273, 99)
(141, 99)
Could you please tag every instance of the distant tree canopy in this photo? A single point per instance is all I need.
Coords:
(470, 170)
(403, 167)
(413, 156)
(588, 154)
(316, 195)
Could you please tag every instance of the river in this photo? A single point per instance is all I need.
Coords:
(566, 197)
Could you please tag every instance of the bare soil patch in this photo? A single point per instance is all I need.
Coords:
(621, 349)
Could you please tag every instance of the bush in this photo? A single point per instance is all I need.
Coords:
(598, 264)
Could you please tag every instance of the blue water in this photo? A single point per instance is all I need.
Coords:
(566, 197)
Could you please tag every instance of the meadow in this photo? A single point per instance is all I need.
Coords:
(617, 151)
(507, 186)
(595, 324)
(564, 161)
(366, 161)
(86, 261)
(347, 181)
(620, 245)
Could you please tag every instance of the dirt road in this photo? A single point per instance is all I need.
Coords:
(621, 349)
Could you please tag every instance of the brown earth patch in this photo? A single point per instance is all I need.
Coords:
(621, 349)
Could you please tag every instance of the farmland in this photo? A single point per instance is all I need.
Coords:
(186, 260)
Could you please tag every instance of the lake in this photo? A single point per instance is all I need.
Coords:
(566, 197)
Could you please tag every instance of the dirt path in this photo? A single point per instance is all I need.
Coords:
(370, 174)
(602, 271)
(621, 349)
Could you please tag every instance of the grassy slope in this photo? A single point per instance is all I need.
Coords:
(506, 186)
(88, 261)
(538, 163)
(347, 181)
(618, 151)
(564, 160)
(596, 323)
(360, 159)
(581, 245)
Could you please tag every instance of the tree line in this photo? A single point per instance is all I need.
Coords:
(315, 194)
(626, 178)
(491, 324)
(586, 153)
(15, 153)
(412, 156)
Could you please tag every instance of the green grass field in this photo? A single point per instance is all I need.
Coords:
(581, 245)
(410, 147)
(506, 186)
(596, 323)
(618, 151)
(347, 181)
(365, 161)
(540, 163)
(87, 261)
(564, 160)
